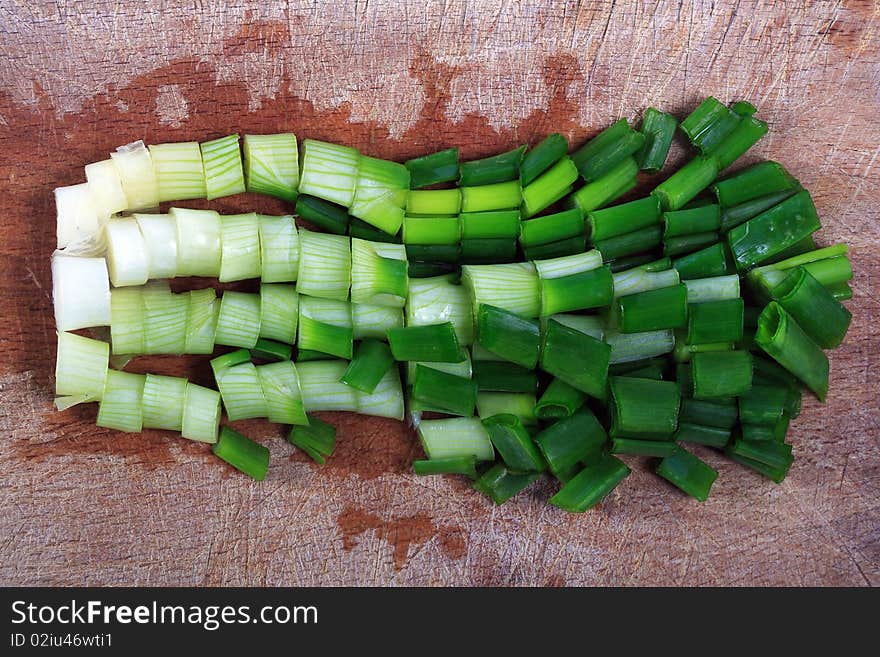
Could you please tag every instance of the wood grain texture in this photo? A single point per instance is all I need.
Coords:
(83, 505)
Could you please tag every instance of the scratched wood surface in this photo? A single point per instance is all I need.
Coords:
(82, 505)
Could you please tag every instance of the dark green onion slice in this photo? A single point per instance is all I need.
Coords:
(500, 484)
(317, 438)
(513, 443)
(721, 373)
(508, 335)
(643, 408)
(576, 358)
(685, 471)
(591, 485)
(453, 394)
(372, 360)
(559, 400)
(501, 376)
(570, 441)
(463, 465)
(242, 453)
(430, 343)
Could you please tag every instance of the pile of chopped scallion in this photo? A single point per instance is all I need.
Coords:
(523, 321)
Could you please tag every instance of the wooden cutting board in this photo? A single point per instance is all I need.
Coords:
(83, 505)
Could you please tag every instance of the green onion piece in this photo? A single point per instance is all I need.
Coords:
(372, 359)
(753, 182)
(714, 288)
(165, 320)
(163, 401)
(269, 350)
(763, 404)
(774, 454)
(127, 320)
(271, 165)
(429, 269)
(241, 391)
(746, 134)
(575, 264)
(829, 266)
(627, 347)
(448, 253)
(463, 465)
(431, 343)
(329, 217)
(737, 214)
(201, 321)
(786, 342)
(513, 443)
(201, 414)
(715, 321)
(541, 157)
(568, 246)
(700, 434)
(369, 321)
(549, 187)
(239, 247)
(329, 171)
(490, 225)
(514, 287)
(198, 241)
(488, 251)
(571, 440)
(658, 448)
(222, 363)
(137, 177)
(242, 453)
(81, 294)
(364, 231)
(224, 175)
(281, 390)
(121, 406)
(663, 308)
(325, 325)
(676, 246)
(648, 368)
(322, 387)
(646, 262)
(104, 187)
(279, 312)
(776, 229)
(463, 368)
(576, 358)
(455, 437)
(238, 321)
(324, 265)
(721, 414)
(551, 228)
(499, 376)
(683, 185)
(708, 124)
(644, 408)
(711, 261)
(509, 336)
(639, 279)
(380, 193)
(630, 243)
(559, 400)
(436, 300)
(775, 474)
(658, 129)
(520, 404)
(378, 273)
(590, 324)
(495, 169)
(433, 202)
(841, 291)
(688, 473)
(765, 432)
(591, 485)
(497, 196)
(700, 219)
(721, 373)
(429, 230)
(316, 438)
(453, 394)
(624, 218)
(813, 307)
(800, 247)
(684, 352)
(500, 484)
(386, 400)
(606, 150)
(279, 248)
(587, 289)
(179, 171)
(614, 184)
(434, 168)
(743, 108)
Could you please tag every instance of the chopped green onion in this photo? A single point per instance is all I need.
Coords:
(549, 187)
(242, 453)
(329, 171)
(624, 218)
(238, 321)
(700, 434)
(126, 318)
(646, 261)
(463, 465)
(813, 307)
(763, 404)
(559, 400)
(500, 484)
(711, 261)
(201, 321)
(774, 454)
(242, 392)
(269, 350)
(429, 269)
(163, 402)
(165, 319)
(513, 443)
(569, 246)
(449, 253)
(541, 157)
(497, 196)
(607, 150)
(736, 214)
(279, 249)
(179, 171)
(316, 438)
(786, 342)
(684, 352)
(121, 405)
(715, 321)
(325, 325)
(494, 169)
(499, 376)
(624, 245)
(488, 251)
(658, 448)
(105, 187)
(721, 373)
(436, 300)
(496, 224)
(520, 404)
(571, 440)
(514, 287)
(322, 387)
(429, 230)
(432, 343)
(643, 408)
(386, 400)
(201, 413)
(746, 134)
(364, 231)
(509, 336)
(198, 242)
(372, 359)
(160, 241)
(369, 321)
(685, 471)
(453, 394)
(639, 279)
(753, 182)
(380, 193)
(434, 168)
(324, 265)
(688, 221)
(658, 129)
(614, 184)
(239, 247)
(551, 228)
(714, 288)
(456, 437)
(329, 217)
(378, 273)
(281, 390)
(800, 247)
(271, 165)
(434, 202)
(463, 368)
(126, 252)
(647, 368)
(841, 291)
(683, 185)
(576, 358)
(591, 485)
(224, 175)
(136, 173)
(708, 125)
(590, 324)
(718, 413)
(676, 246)
(627, 347)
(221, 363)
(279, 312)
(653, 310)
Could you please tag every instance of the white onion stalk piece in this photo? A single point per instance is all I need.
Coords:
(126, 252)
(80, 291)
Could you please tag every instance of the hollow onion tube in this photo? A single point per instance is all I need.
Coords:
(786, 342)
(763, 404)
(372, 359)
(658, 128)
(446, 392)
(496, 224)
(163, 402)
(126, 252)
(438, 167)
(683, 185)
(613, 184)
(238, 320)
(653, 310)
(508, 335)
(456, 437)
(279, 248)
(224, 175)
(570, 441)
(568, 246)
(643, 408)
(271, 165)
(279, 383)
(713, 288)
(559, 400)
(201, 413)
(541, 157)
(121, 406)
(719, 413)
(681, 244)
(241, 391)
(715, 321)
(776, 475)
(551, 228)
(734, 215)
(813, 307)
(325, 325)
(380, 193)
(606, 150)
(135, 167)
(329, 171)
(549, 187)
(433, 202)
(271, 350)
(494, 169)
(576, 358)
(685, 471)
(497, 196)
(328, 217)
(378, 273)
(317, 438)
(591, 485)
(127, 319)
(242, 453)
(201, 321)
(721, 373)
(363, 230)
(78, 221)
(80, 292)
(703, 218)
(324, 265)
(322, 388)
(165, 319)
(80, 369)
(463, 368)
(105, 187)
(829, 266)
(711, 261)
(386, 399)
(623, 218)
(513, 443)
(279, 312)
(753, 182)
(746, 134)
(499, 483)
(519, 404)
(160, 241)
(589, 324)
(431, 343)
(709, 124)
(431, 229)
(463, 465)
(699, 434)
(179, 171)
(627, 347)
(369, 321)
(639, 279)
(198, 242)
(620, 246)
(498, 376)
(514, 287)
(573, 283)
